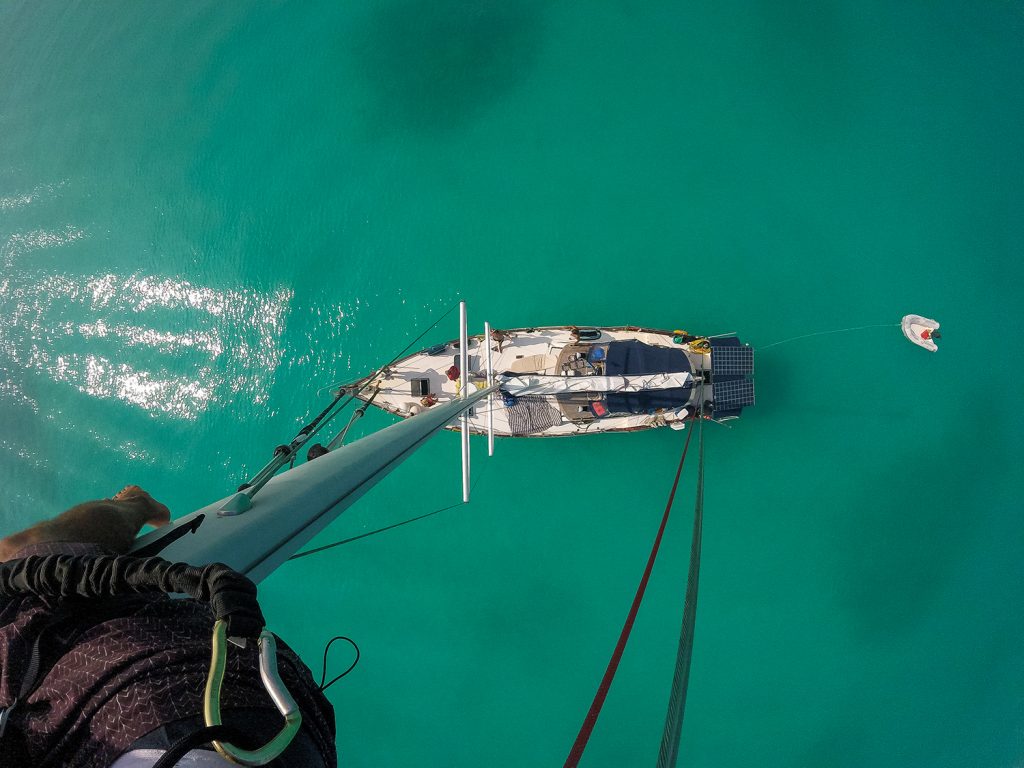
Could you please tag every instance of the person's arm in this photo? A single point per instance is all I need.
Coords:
(111, 523)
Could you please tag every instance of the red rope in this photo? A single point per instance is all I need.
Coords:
(613, 664)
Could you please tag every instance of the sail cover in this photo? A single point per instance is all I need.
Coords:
(635, 357)
(564, 385)
(625, 357)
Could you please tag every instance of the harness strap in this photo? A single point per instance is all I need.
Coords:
(30, 680)
(196, 739)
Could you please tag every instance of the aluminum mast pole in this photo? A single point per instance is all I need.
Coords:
(490, 397)
(464, 378)
(297, 504)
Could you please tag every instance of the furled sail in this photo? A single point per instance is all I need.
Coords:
(557, 385)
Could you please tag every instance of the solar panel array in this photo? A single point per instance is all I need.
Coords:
(732, 360)
(733, 394)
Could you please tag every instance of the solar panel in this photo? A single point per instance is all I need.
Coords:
(732, 360)
(733, 394)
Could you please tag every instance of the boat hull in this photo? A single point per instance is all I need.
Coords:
(549, 357)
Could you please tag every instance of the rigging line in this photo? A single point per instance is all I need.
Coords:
(826, 333)
(396, 357)
(286, 453)
(386, 527)
(451, 309)
(358, 413)
(613, 663)
(669, 751)
(371, 533)
(369, 379)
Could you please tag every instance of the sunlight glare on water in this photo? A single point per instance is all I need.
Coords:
(51, 321)
(213, 214)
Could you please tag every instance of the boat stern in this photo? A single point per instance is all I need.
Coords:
(731, 377)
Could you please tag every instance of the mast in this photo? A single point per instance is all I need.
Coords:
(464, 390)
(490, 397)
(296, 505)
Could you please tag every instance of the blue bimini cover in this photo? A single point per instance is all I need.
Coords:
(636, 357)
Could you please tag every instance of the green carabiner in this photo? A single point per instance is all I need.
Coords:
(271, 682)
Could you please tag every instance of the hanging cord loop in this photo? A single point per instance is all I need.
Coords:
(323, 675)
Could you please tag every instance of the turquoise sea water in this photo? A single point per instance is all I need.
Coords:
(210, 211)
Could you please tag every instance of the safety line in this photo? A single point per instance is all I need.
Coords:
(602, 690)
(407, 347)
(388, 527)
(372, 533)
(669, 751)
(286, 454)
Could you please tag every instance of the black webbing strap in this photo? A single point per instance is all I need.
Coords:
(12, 748)
(198, 738)
(158, 545)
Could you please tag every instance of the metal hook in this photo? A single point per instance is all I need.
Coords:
(275, 688)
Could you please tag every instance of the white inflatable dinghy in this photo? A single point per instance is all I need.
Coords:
(921, 331)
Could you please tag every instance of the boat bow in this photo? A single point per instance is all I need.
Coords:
(296, 505)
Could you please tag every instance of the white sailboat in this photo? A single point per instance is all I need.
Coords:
(561, 381)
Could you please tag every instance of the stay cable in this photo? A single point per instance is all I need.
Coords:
(613, 664)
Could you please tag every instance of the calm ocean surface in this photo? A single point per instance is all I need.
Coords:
(209, 211)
